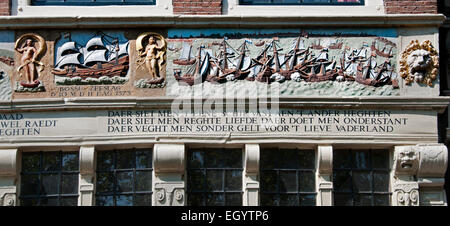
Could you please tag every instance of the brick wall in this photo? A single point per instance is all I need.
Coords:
(5, 7)
(197, 7)
(410, 6)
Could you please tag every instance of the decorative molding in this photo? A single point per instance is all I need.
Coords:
(87, 174)
(169, 193)
(219, 21)
(439, 104)
(168, 158)
(8, 162)
(406, 194)
(250, 177)
(324, 178)
(251, 163)
(8, 196)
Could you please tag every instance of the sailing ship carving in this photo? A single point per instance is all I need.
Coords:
(299, 63)
(102, 55)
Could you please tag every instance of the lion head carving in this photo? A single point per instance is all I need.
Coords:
(420, 63)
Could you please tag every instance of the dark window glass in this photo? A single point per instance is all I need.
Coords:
(214, 177)
(49, 179)
(93, 2)
(301, 2)
(124, 178)
(361, 177)
(287, 177)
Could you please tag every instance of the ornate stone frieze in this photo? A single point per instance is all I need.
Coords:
(419, 62)
(433, 161)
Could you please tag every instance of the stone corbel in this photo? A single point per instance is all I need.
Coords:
(169, 165)
(8, 177)
(324, 175)
(87, 172)
(404, 186)
(250, 177)
(432, 167)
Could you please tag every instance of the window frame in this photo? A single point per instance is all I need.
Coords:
(114, 193)
(205, 191)
(59, 172)
(90, 3)
(370, 169)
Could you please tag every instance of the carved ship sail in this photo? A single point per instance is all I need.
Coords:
(92, 61)
(327, 69)
(198, 72)
(187, 56)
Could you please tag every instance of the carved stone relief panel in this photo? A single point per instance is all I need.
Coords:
(89, 63)
(419, 62)
(298, 62)
(406, 193)
(6, 64)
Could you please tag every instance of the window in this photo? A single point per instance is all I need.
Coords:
(361, 177)
(49, 179)
(93, 2)
(287, 177)
(124, 178)
(214, 177)
(301, 2)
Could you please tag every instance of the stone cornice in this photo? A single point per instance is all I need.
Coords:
(195, 21)
(438, 104)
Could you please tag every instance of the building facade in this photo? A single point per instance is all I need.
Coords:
(223, 102)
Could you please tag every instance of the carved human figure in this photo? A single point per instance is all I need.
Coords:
(152, 54)
(28, 60)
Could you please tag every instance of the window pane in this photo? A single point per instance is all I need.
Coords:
(269, 200)
(233, 199)
(69, 201)
(307, 159)
(342, 181)
(290, 157)
(214, 180)
(363, 200)
(104, 200)
(70, 162)
(49, 184)
(30, 162)
(105, 182)
(381, 200)
(213, 199)
(105, 160)
(29, 184)
(269, 181)
(343, 200)
(29, 202)
(341, 159)
(233, 180)
(124, 181)
(48, 202)
(360, 160)
(69, 184)
(51, 161)
(362, 181)
(307, 182)
(307, 200)
(197, 180)
(143, 200)
(288, 181)
(124, 160)
(214, 177)
(143, 181)
(381, 182)
(143, 160)
(124, 200)
(379, 159)
(288, 200)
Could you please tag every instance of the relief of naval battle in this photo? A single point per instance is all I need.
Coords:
(292, 60)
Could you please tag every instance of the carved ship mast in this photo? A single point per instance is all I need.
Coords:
(187, 56)
(325, 73)
(93, 61)
(198, 72)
